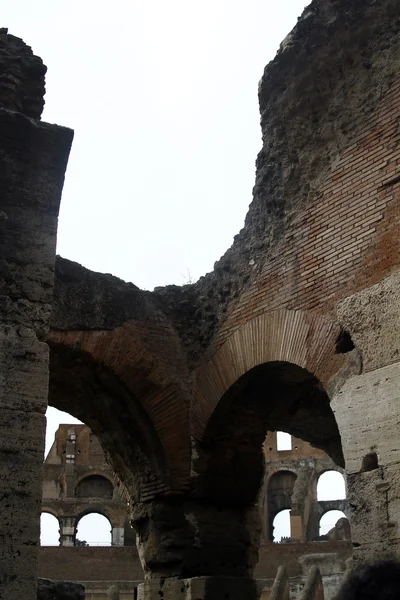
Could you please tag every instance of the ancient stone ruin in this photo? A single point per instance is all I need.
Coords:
(296, 329)
(78, 481)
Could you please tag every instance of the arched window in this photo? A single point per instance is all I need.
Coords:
(94, 530)
(279, 497)
(283, 441)
(49, 530)
(329, 520)
(95, 486)
(281, 525)
(331, 486)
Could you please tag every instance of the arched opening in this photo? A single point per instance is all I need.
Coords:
(279, 498)
(331, 486)
(281, 526)
(95, 486)
(329, 520)
(97, 397)
(275, 396)
(283, 441)
(94, 529)
(49, 530)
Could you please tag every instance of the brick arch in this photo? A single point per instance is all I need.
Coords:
(305, 339)
(148, 361)
(97, 472)
(275, 470)
(94, 509)
(94, 380)
(90, 476)
(50, 511)
(276, 495)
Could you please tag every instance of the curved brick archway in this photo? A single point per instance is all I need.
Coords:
(91, 392)
(273, 396)
(304, 339)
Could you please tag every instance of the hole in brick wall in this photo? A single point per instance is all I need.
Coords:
(369, 462)
(344, 343)
(283, 441)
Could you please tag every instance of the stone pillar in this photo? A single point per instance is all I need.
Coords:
(67, 531)
(117, 536)
(33, 157)
(296, 526)
(196, 550)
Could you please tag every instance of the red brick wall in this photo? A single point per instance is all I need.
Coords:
(122, 564)
(90, 564)
(346, 239)
(300, 449)
(272, 556)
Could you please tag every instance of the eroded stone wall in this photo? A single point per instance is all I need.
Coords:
(33, 158)
(368, 413)
(155, 375)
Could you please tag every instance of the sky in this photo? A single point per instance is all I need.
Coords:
(162, 97)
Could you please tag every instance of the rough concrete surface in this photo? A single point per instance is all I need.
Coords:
(372, 316)
(367, 411)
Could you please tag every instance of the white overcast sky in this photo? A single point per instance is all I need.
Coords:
(162, 96)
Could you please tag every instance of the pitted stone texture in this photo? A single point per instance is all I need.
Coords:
(367, 410)
(372, 317)
(375, 502)
(280, 589)
(32, 176)
(24, 381)
(328, 563)
(21, 77)
(59, 590)
(33, 158)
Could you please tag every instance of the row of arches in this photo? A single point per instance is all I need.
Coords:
(282, 529)
(331, 485)
(93, 529)
(90, 529)
(296, 502)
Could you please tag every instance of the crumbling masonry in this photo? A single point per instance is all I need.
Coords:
(78, 481)
(296, 329)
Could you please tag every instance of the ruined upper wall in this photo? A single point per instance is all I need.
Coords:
(316, 97)
(22, 84)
